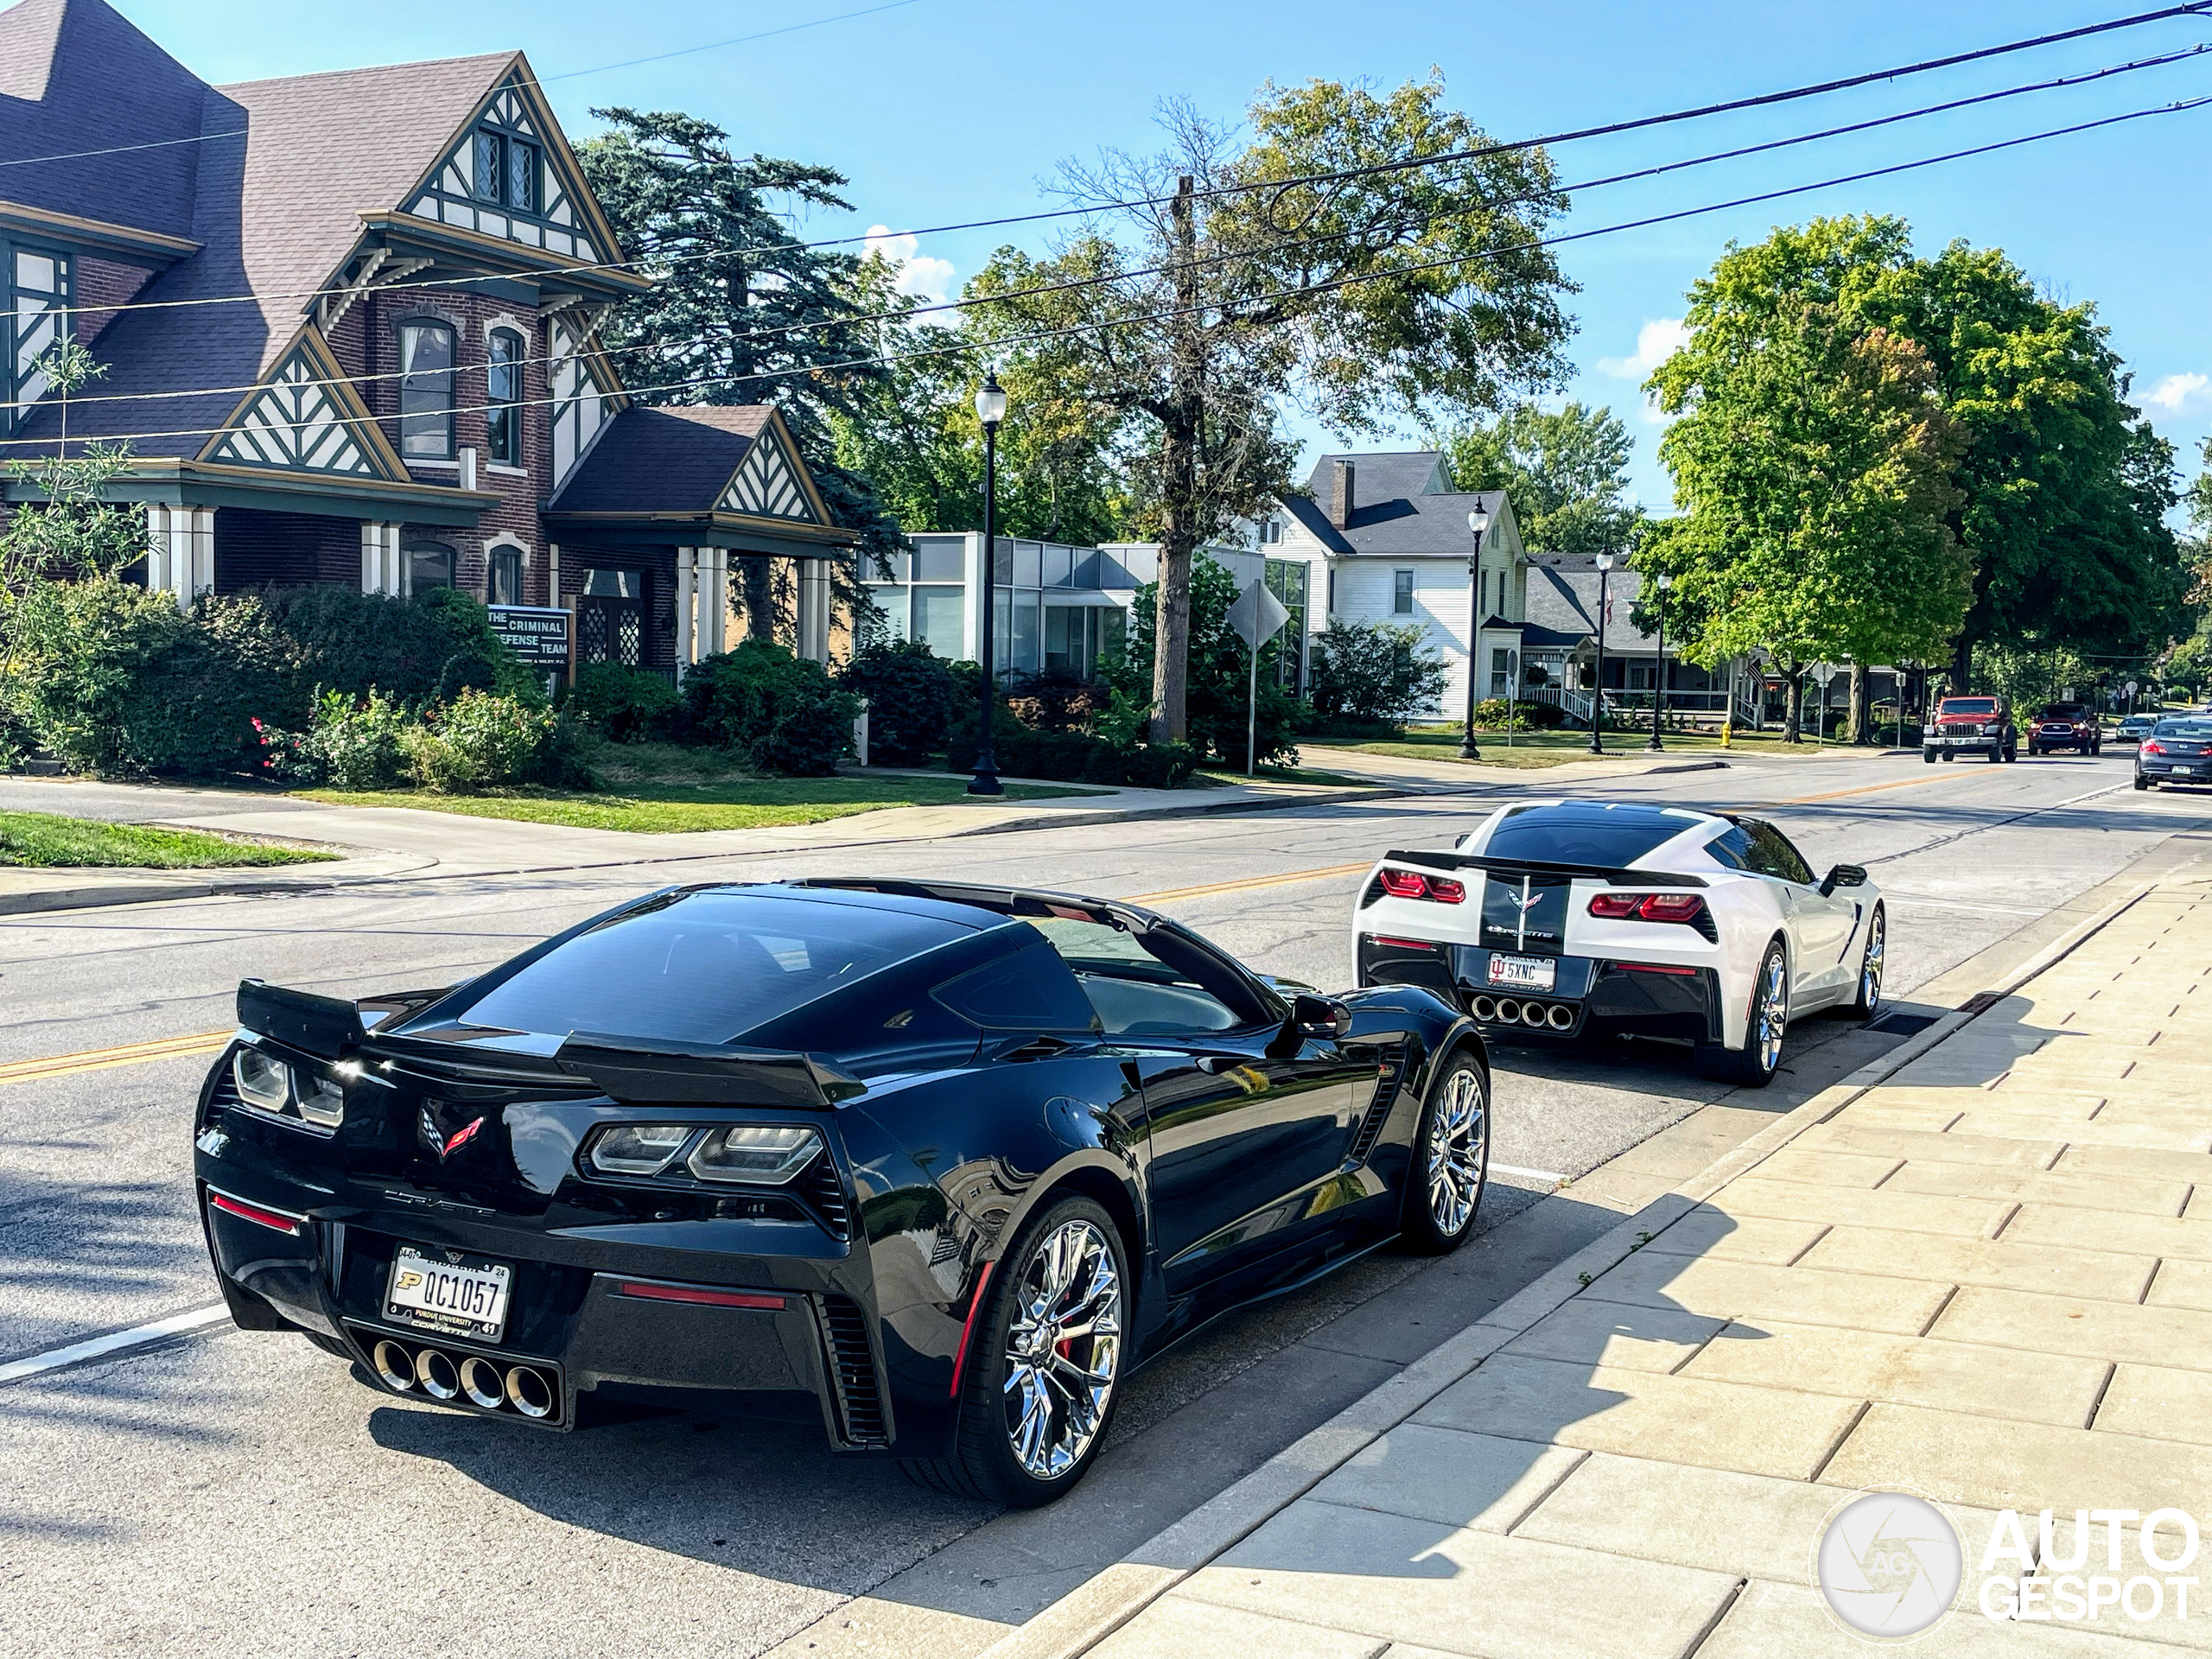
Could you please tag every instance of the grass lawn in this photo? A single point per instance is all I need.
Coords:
(49, 840)
(1209, 777)
(1559, 748)
(660, 789)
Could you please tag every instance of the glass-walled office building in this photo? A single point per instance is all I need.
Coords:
(1059, 608)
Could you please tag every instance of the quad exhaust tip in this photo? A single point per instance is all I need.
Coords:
(479, 1380)
(1511, 1011)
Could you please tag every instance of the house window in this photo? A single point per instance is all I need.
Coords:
(503, 380)
(504, 170)
(1401, 593)
(503, 576)
(1486, 606)
(1271, 530)
(38, 286)
(426, 356)
(429, 564)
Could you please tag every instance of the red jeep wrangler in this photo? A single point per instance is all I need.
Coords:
(1971, 726)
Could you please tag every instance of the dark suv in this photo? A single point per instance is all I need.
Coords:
(1971, 726)
(2066, 726)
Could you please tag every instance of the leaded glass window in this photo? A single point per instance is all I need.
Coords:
(491, 166)
(522, 176)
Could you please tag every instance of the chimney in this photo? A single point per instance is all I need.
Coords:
(1342, 498)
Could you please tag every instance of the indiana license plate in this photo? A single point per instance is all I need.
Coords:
(1523, 973)
(454, 1295)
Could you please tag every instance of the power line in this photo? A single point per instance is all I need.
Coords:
(2194, 8)
(704, 382)
(863, 320)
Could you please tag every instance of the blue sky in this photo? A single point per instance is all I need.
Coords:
(948, 110)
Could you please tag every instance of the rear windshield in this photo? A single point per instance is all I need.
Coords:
(702, 967)
(2195, 731)
(1584, 832)
(1967, 706)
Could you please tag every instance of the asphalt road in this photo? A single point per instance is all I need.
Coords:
(239, 1492)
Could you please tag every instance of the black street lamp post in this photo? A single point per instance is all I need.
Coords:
(1598, 689)
(1663, 581)
(1478, 521)
(990, 408)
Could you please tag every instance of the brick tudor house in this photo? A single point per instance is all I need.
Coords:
(349, 324)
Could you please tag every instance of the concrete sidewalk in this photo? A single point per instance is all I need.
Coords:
(1980, 1271)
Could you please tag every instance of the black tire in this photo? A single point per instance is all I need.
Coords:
(1868, 1002)
(1425, 1230)
(1948, 755)
(2034, 753)
(1752, 1063)
(2142, 782)
(984, 1464)
(1928, 755)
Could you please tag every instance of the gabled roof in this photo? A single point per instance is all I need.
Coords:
(77, 76)
(1403, 506)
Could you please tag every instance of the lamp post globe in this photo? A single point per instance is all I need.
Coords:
(1478, 521)
(1605, 563)
(990, 410)
(1662, 582)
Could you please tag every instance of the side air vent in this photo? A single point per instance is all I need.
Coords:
(852, 1372)
(1378, 1110)
(222, 1096)
(823, 1189)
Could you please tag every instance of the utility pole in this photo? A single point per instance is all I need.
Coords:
(1179, 455)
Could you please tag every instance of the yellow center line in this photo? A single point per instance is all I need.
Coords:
(99, 1059)
(1250, 881)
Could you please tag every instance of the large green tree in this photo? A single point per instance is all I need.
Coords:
(1220, 278)
(1812, 462)
(2061, 490)
(1566, 472)
(738, 314)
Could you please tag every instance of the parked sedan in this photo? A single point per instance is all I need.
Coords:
(1558, 919)
(2133, 729)
(2177, 752)
(937, 1165)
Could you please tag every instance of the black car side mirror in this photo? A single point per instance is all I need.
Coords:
(1319, 1016)
(1843, 875)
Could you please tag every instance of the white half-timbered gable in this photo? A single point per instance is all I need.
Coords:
(768, 486)
(306, 419)
(511, 175)
(584, 394)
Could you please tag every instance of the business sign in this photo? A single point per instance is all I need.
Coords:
(537, 634)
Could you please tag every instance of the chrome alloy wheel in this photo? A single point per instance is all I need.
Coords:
(1457, 1132)
(1870, 971)
(1063, 1349)
(1771, 1014)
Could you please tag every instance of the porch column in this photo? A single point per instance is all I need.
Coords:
(714, 623)
(687, 597)
(161, 554)
(814, 610)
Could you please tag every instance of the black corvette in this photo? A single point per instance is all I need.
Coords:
(937, 1164)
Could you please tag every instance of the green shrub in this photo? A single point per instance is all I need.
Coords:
(1070, 756)
(779, 711)
(1491, 714)
(1216, 698)
(115, 680)
(1376, 671)
(358, 745)
(627, 704)
(416, 650)
(910, 691)
(483, 739)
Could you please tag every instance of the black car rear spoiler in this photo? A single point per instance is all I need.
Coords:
(328, 1027)
(1515, 868)
(645, 1073)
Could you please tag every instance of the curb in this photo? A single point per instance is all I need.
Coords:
(1088, 1615)
(92, 897)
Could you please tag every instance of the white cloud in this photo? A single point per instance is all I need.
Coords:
(2178, 392)
(1657, 341)
(920, 274)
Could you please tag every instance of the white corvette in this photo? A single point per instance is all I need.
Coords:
(1554, 920)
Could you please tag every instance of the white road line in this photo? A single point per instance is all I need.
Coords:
(138, 1336)
(1550, 1176)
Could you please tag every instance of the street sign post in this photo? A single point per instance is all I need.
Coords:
(1257, 616)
